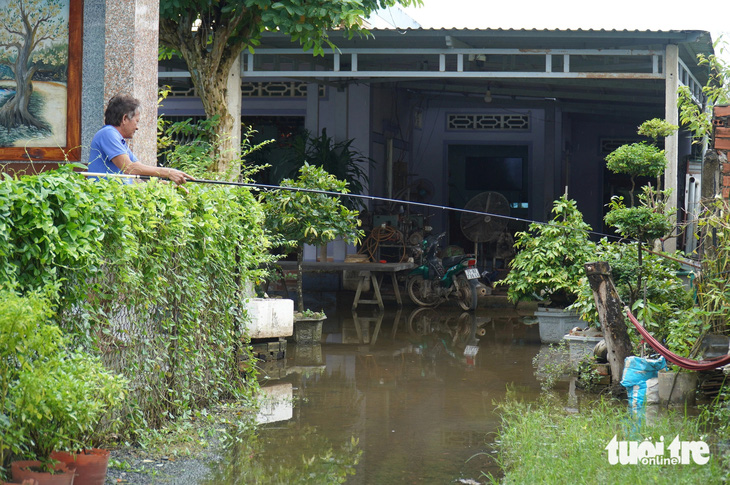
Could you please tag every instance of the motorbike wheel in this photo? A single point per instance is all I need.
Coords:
(467, 293)
(421, 292)
(422, 321)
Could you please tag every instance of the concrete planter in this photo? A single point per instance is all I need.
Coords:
(684, 391)
(270, 317)
(554, 323)
(581, 346)
(308, 329)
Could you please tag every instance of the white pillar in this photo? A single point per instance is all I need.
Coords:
(671, 114)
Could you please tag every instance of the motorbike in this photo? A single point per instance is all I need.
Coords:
(437, 280)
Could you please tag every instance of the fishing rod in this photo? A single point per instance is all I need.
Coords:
(373, 198)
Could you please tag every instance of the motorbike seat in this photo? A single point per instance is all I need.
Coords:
(450, 261)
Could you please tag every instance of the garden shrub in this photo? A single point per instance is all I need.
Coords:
(149, 276)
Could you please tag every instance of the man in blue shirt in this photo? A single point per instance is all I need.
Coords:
(109, 151)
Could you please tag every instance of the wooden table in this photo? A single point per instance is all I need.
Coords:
(366, 271)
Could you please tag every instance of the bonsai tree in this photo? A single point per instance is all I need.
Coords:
(550, 258)
(298, 217)
(648, 220)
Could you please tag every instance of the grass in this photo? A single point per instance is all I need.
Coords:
(540, 442)
(193, 433)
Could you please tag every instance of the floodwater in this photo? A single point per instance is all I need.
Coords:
(398, 397)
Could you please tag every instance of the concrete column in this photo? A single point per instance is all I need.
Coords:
(130, 65)
(552, 169)
(311, 121)
(342, 107)
(671, 145)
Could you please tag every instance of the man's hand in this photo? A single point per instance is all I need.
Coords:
(178, 176)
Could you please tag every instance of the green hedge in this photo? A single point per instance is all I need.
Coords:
(146, 275)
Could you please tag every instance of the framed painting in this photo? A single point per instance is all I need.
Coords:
(40, 80)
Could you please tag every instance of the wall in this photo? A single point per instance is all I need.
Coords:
(429, 153)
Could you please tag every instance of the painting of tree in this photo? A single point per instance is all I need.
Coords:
(34, 47)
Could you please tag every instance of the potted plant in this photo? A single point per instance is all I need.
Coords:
(308, 326)
(298, 217)
(52, 398)
(548, 266)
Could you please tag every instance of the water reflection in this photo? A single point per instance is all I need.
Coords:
(394, 397)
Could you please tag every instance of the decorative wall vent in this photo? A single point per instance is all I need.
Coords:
(278, 89)
(466, 121)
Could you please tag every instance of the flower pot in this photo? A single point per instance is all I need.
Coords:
(26, 469)
(554, 323)
(90, 465)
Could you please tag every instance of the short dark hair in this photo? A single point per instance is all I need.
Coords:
(120, 105)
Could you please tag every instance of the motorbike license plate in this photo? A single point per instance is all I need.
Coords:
(471, 273)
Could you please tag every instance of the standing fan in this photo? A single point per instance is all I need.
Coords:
(485, 227)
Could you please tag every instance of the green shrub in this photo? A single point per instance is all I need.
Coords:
(146, 275)
(50, 397)
(551, 256)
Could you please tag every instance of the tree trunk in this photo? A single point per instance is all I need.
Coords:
(300, 273)
(209, 59)
(610, 313)
(15, 111)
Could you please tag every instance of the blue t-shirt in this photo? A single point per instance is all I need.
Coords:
(107, 144)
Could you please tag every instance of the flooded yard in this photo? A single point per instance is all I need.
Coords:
(396, 397)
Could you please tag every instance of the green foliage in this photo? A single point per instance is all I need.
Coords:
(193, 147)
(551, 256)
(551, 364)
(307, 217)
(717, 91)
(713, 287)
(304, 21)
(657, 128)
(303, 217)
(665, 291)
(336, 158)
(51, 398)
(637, 159)
(649, 220)
(641, 222)
(543, 443)
(148, 274)
(49, 229)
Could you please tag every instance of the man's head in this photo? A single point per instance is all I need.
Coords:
(119, 106)
(123, 113)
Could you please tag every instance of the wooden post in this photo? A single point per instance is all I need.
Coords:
(611, 315)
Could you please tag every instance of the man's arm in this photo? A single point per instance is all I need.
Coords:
(137, 168)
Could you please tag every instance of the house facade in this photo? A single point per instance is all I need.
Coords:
(448, 114)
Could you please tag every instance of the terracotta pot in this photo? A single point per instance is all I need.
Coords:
(27, 469)
(90, 465)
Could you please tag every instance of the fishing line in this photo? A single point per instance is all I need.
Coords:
(373, 198)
